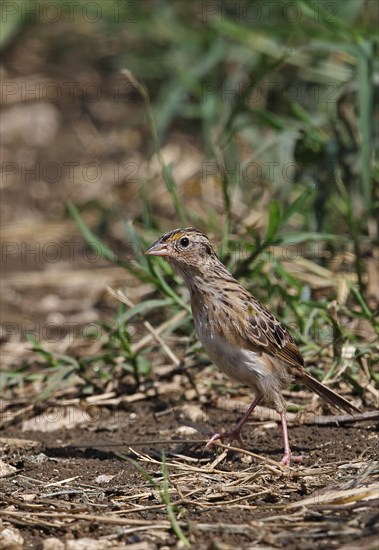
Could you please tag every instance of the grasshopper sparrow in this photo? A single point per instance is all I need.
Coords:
(238, 333)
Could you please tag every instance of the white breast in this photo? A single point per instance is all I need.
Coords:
(242, 365)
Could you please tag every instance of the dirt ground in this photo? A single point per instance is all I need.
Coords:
(79, 483)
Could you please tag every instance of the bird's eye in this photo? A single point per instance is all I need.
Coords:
(184, 241)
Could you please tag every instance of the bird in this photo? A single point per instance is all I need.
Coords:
(240, 335)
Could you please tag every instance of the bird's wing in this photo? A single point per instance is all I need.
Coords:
(268, 335)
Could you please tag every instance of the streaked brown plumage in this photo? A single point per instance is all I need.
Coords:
(239, 334)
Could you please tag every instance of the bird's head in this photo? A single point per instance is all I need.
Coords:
(185, 249)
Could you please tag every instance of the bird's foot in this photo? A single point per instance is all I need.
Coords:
(289, 457)
(234, 435)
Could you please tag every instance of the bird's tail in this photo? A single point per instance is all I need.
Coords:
(329, 395)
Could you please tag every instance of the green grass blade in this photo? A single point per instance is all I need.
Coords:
(142, 308)
(365, 92)
(296, 206)
(365, 309)
(170, 510)
(91, 238)
(147, 477)
(166, 170)
(274, 221)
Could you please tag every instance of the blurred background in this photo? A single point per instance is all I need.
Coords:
(256, 121)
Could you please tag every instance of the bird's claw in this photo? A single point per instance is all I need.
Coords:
(289, 457)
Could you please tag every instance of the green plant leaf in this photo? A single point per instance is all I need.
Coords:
(297, 206)
(274, 221)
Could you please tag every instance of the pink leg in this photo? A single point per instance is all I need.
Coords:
(288, 456)
(235, 433)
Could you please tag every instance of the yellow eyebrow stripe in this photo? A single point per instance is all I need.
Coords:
(175, 236)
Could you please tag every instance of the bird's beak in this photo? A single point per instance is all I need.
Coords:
(158, 249)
